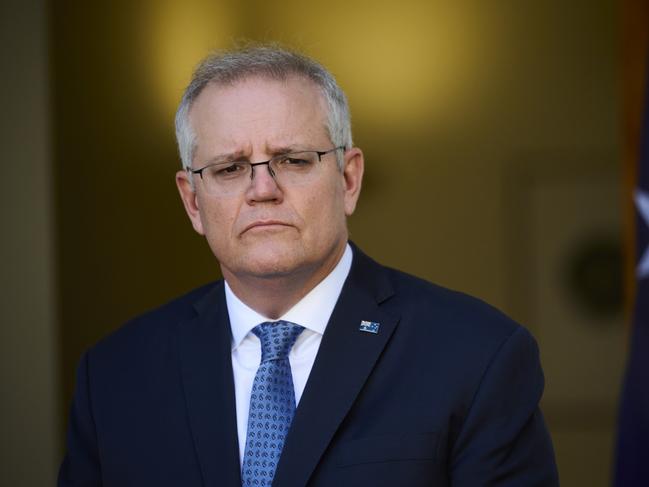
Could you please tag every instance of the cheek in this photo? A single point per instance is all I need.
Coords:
(327, 209)
(217, 219)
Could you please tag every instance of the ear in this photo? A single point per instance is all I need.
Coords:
(190, 200)
(353, 177)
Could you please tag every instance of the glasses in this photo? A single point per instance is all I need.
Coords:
(291, 169)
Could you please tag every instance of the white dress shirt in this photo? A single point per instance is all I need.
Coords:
(312, 312)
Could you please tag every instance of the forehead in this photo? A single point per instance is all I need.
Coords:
(258, 111)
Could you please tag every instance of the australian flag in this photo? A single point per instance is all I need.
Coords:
(632, 462)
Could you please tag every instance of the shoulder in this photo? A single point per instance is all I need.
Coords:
(461, 335)
(419, 295)
(429, 309)
(152, 330)
(454, 321)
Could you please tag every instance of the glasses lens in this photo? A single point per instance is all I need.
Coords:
(296, 168)
(226, 177)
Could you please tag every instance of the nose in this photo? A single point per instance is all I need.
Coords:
(263, 186)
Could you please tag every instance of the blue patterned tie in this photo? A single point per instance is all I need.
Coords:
(272, 403)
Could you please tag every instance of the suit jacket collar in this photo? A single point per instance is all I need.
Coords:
(206, 370)
(345, 360)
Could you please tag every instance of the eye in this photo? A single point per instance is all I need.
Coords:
(232, 168)
(296, 160)
(227, 170)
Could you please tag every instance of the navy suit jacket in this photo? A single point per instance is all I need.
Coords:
(446, 393)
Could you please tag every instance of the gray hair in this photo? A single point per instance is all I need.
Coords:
(276, 63)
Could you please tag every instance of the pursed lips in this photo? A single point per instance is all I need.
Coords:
(261, 224)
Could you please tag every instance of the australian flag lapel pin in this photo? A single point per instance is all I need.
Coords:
(369, 327)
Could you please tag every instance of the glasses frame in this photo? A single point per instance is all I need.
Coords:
(320, 153)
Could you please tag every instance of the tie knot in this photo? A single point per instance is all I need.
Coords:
(277, 338)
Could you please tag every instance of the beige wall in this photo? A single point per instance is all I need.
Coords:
(29, 419)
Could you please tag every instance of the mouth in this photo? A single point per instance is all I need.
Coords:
(266, 225)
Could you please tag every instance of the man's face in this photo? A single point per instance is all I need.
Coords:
(269, 230)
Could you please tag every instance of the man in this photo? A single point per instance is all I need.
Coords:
(309, 364)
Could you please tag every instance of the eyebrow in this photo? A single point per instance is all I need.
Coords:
(240, 156)
(283, 149)
(227, 157)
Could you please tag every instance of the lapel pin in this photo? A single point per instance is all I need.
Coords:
(369, 327)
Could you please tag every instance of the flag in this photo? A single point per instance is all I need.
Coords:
(632, 453)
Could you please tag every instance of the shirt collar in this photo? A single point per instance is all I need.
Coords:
(312, 311)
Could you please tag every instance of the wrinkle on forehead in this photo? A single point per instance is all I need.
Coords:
(245, 154)
(252, 117)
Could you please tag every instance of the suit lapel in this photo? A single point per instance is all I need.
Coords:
(345, 360)
(206, 369)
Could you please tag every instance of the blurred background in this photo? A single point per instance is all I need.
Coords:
(496, 135)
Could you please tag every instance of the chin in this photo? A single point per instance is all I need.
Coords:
(272, 260)
(269, 269)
